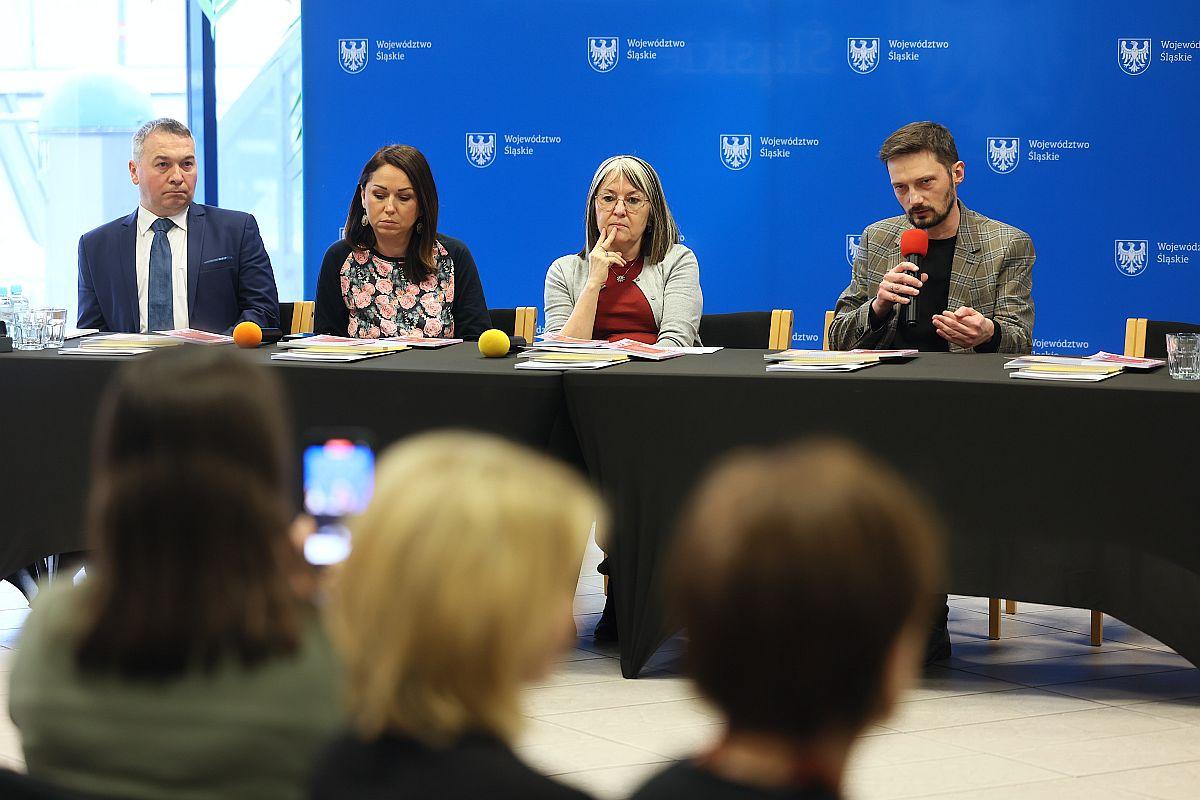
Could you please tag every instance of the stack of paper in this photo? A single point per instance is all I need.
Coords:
(558, 340)
(336, 349)
(1061, 368)
(629, 347)
(652, 352)
(193, 336)
(120, 344)
(421, 342)
(909, 353)
(571, 361)
(819, 361)
(1129, 362)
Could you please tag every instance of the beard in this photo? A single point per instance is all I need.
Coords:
(939, 214)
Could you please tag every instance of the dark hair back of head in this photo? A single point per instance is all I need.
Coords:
(795, 571)
(917, 137)
(188, 518)
(418, 261)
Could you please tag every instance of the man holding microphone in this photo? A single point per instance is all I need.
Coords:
(971, 292)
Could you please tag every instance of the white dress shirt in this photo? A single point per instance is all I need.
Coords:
(177, 237)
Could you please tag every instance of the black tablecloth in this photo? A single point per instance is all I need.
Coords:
(1076, 494)
(48, 404)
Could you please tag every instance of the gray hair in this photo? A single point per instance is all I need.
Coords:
(661, 230)
(171, 126)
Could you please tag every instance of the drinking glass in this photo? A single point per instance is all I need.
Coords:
(1183, 356)
(56, 327)
(29, 330)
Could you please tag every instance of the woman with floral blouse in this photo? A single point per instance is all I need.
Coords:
(393, 274)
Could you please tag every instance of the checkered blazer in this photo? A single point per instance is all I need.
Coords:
(992, 272)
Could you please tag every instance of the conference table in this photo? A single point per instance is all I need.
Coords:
(1075, 494)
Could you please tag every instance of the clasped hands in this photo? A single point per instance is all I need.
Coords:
(964, 327)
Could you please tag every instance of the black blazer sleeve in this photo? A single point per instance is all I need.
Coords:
(470, 308)
(331, 314)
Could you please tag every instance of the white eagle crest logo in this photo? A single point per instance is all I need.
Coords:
(852, 243)
(602, 53)
(862, 54)
(352, 54)
(1003, 153)
(735, 150)
(1130, 256)
(481, 149)
(1133, 55)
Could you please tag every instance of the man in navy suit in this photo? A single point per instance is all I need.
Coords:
(173, 263)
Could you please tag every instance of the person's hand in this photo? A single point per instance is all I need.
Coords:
(897, 286)
(964, 327)
(601, 258)
(304, 582)
(302, 527)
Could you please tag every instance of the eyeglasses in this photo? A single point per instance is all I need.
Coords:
(633, 204)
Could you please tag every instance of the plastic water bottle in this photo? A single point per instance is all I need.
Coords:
(19, 304)
(19, 301)
(6, 309)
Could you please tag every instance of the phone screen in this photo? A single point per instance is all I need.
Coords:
(339, 476)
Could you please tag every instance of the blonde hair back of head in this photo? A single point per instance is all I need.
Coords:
(455, 587)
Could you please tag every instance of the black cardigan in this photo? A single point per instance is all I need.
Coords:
(684, 779)
(469, 307)
(398, 767)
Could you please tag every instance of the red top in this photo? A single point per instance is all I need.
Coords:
(622, 311)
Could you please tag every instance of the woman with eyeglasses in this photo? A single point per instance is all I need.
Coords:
(633, 279)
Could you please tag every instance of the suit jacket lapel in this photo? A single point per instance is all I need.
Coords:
(126, 278)
(195, 239)
(966, 259)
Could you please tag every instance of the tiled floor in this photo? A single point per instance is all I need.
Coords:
(1037, 715)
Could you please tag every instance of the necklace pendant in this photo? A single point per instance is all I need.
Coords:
(620, 279)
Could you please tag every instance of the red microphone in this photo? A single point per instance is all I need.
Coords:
(914, 245)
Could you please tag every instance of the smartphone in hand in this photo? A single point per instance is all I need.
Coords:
(339, 476)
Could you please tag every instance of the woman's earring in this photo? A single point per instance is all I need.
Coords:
(365, 221)
(420, 226)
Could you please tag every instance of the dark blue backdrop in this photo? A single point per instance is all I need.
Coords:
(773, 233)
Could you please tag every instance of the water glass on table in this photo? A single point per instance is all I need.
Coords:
(29, 330)
(56, 327)
(1183, 356)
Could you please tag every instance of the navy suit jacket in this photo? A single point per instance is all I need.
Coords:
(228, 273)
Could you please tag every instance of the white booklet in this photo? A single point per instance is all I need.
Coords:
(562, 366)
(1021, 362)
(1086, 377)
(326, 357)
(126, 341)
(792, 366)
(104, 351)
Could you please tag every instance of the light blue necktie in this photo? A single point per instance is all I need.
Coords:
(160, 308)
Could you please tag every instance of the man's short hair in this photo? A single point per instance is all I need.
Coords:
(795, 572)
(172, 126)
(917, 137)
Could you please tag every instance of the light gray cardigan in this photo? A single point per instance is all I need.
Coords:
(672, 288)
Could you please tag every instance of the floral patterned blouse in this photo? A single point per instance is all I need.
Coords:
(382, 301)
